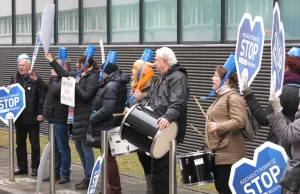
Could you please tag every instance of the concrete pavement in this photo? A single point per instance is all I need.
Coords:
(26, 184)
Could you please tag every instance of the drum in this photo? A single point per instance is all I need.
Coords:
(195, 168)
(139, 127)
(117, 145)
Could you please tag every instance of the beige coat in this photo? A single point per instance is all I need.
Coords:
(228, 142)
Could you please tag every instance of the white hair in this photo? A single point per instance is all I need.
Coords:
(168, 54)
(28, 61)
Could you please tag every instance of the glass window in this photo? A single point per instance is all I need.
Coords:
(201, 20)
(40, 6)
(290, 15)
(23, 22)
(160, 21)
(68, 21)
(94, 22)
(125, 21)
(235, 10)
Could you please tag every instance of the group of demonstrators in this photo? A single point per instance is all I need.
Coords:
(101, 91)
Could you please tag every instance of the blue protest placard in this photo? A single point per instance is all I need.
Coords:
(260, 175)
(12, 102)
(95, 175)
(277, 52)
(249, 48)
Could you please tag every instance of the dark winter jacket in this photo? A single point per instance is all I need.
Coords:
(168, 98)
(53, 111)
(85, 91)
(110, 98)
(34, 97)
(289, 101)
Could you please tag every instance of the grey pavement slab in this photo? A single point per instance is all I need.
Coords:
(26, 184)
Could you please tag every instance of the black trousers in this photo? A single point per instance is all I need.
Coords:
(34, 138)
(160, 175)
(145, 161)
(221, 176)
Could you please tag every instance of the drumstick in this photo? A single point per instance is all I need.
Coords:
(118, 114)
(201, 109)
(197, 130)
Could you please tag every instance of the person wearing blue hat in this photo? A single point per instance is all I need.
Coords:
(110, 98)
(223, 130)
(86, 87)
(29, 120)
(288, 99)
(168, 99)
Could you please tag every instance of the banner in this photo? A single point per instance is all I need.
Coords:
(36, 49)
(12, 102)
(67, 92)
(249, 48)
(277, 52)
(260, 175)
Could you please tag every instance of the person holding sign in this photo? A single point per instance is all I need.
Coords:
(57, 114)
(29, 120)
(287, 133)
(142, 77)
(288, 98)
(86, 88)
(223, 132)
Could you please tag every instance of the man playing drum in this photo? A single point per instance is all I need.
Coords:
(168, 98)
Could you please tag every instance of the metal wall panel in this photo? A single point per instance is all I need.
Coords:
(200, 62)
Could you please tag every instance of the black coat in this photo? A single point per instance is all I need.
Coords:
(110, 98)
(169, 98)
(53, 111)
(85, 91)
(34, 96)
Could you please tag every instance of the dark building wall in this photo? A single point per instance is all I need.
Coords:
(199, 60)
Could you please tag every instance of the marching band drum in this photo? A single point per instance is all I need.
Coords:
(139, 127)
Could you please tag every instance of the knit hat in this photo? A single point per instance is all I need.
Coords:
(23, 56)
(147, 66)
(110, 68)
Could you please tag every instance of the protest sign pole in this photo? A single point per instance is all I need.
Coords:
(11, 150)
(52, 159)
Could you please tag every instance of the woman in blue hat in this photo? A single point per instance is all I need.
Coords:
(223, 132)
(288, 98)
(86, 87)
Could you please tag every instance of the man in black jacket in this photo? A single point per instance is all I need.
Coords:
(110, 98)
(168, 98)
(30, 118)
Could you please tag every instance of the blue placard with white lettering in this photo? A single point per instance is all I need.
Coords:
(260, 175)
(278, 52)
(249, 47)
(95, 175)
(12, 102)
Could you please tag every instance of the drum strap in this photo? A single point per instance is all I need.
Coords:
(159, 80)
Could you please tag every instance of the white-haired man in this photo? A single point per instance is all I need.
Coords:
(168, 98)
(30, 118)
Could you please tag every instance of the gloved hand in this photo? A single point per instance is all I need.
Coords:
(245, 89)
(275, 102)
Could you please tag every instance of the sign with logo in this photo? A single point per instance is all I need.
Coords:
(249, 47)
(12, 102)
(278, 52)
(67, 92)
(36, 49)
(95, 175)
(260, 175)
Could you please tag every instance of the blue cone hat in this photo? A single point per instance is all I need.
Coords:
(147, 55)
(230, 64)
(294, 52)
(62, 53)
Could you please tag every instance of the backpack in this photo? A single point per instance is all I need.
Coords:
(251, 127)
